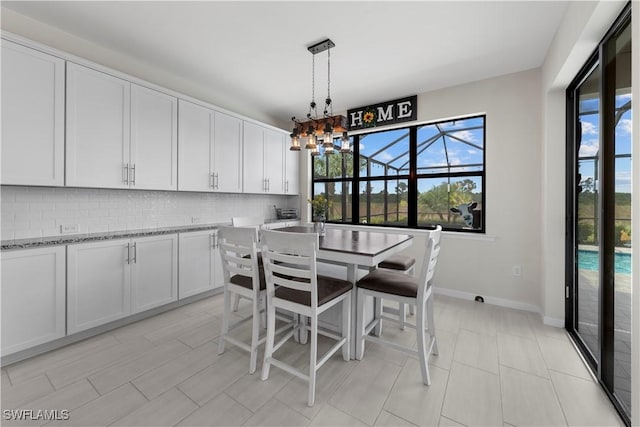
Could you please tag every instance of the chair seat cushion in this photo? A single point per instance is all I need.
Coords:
(246, 282)
(390, 282)
(329, 288)
(398, 262)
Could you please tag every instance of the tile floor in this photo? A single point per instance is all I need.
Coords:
(497, 367)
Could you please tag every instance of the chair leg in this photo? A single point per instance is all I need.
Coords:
(255, 330)
(422, 345)
(402, 315)
(432, 326)
(412, 309)
(236, 302)
(346, 327)
(263, 315)
(304, 336)
(360, 325)
(271, 332)
(313, 359)
(225, 320)
(377, 310)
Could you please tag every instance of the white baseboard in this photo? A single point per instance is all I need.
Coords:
(502, 302)
(552, 321)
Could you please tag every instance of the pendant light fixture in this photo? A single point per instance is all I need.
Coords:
(315, 126)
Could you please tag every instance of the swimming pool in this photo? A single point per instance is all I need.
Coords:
(588, 260)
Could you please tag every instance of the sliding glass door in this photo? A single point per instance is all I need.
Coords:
(599, 212)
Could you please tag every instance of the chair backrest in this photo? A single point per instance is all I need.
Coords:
(245, 221)
(430, 261)
(239, 253)
(290, 261)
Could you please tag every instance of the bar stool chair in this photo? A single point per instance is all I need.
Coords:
(245, 221)
(290, 264)
(404, 289)
(243, 276)
(406, 265)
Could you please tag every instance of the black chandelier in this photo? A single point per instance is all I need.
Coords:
(325, 126)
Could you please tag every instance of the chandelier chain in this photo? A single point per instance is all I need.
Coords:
(328, 107)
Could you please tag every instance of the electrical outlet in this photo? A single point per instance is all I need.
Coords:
(68, 228)
(517, 270)
(195, 220)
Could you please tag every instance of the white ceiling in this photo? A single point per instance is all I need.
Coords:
(253, 54)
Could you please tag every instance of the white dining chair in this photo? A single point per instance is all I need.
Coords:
(407, 265)
(290, 264)
(245, 221)
(244, 276)
(404, 289)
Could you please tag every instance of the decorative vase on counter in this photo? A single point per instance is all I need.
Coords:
(318, 224)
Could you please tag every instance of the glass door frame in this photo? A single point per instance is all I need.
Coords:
(603, 362)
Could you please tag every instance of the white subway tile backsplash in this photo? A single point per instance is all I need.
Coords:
(39, 211)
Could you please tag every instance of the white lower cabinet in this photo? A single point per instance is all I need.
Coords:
(200, 264)
(33, 297)
(109, 280)
(154, 272)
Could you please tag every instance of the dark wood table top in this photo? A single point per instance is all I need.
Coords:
(359, 242)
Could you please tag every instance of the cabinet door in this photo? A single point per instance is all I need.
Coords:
(253, 158)
(195, 128)
(274, 161)
(292, 165)
(32, 117)
(216, 271)
(227, 156)
(97, 128)
(33, 297)
(154, 272)
(98, 283)
(154, 139)
(196, 263)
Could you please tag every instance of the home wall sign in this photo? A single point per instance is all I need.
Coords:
(384, 113)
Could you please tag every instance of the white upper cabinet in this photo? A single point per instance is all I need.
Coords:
(98, 113)
(210, 150)
(274, 145)
(195, 150)
(32, 117)
(263, 160)
(253, 159)
(154, 140)
(292, 166)
(227, 153)
(119, 134)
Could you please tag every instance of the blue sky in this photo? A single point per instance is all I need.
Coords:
(435, 156)
(590, 141)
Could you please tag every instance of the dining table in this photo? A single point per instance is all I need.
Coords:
(355, 249)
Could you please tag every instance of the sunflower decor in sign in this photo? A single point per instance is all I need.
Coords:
(369, 118)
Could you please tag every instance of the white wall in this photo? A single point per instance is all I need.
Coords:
(483, 266)
(40, 211)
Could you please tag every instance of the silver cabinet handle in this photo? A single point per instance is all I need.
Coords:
(125, 173)
(133, 170)
(286, 185)
(128, 253)
(211, 180)
(217, 181)
(135, 253)
(268, 185)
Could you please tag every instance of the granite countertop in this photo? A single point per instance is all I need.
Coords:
(90, 237)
